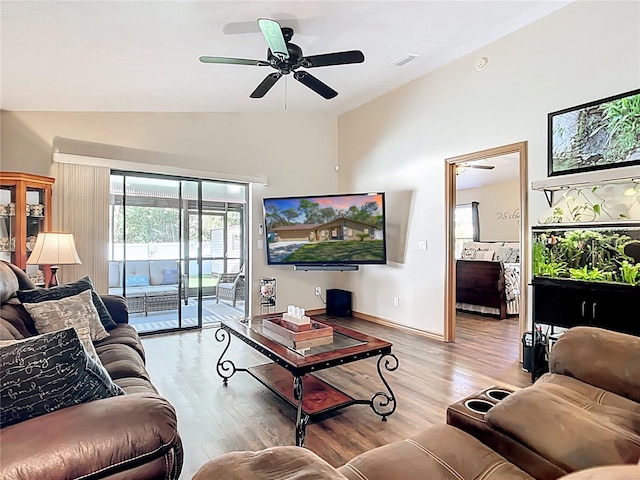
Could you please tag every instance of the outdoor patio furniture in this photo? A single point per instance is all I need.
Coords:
(230, 287)
(151, 285)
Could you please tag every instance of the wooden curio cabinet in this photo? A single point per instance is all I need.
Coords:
(25, 210)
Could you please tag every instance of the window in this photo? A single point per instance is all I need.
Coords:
(466, 226)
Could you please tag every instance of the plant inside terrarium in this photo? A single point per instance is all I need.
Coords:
(585, 255)
(630, 273)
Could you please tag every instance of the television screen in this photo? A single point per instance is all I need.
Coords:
(344, 229)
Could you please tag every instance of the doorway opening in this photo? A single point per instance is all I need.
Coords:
(455, 166)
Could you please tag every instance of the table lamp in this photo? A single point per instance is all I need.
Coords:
(54, 249)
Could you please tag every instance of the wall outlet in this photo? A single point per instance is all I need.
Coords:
(396, 301)
(318, 291)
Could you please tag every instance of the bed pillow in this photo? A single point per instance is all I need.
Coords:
(483, 245)
(55, 293)
(468, 253)
(48, 372)
(476, 254)
(484, 255)
(508, 255)
(77, 311)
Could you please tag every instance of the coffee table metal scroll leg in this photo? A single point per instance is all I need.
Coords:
(301, 418)
(225, 368)
(383, 403)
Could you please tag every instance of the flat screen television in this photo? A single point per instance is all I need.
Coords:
(326, 230)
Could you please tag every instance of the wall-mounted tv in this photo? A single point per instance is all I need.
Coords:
(325, 230)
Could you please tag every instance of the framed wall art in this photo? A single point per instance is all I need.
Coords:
(595, 136)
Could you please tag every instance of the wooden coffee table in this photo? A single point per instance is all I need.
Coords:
(289, 374)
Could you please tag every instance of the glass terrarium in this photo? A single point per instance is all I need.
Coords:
(595, 252)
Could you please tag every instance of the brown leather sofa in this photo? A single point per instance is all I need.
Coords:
(123, 437)
(582, 416)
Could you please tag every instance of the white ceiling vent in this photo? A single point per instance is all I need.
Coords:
(403, 60)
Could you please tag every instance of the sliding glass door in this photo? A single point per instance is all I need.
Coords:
(173, 241)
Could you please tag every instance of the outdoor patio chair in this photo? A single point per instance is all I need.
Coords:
(230, 287)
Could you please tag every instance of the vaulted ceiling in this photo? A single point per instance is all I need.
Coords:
(143, 55)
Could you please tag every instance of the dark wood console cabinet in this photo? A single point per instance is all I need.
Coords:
(571, 303)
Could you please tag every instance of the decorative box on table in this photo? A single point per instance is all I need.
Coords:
(296, 336)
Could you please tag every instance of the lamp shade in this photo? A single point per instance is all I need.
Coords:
(54, 248)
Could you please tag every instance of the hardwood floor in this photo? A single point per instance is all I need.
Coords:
(213, 419)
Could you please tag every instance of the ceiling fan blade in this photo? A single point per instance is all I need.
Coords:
(234, 61)
(273, 35)
(337, 58)
(484, 167)
(266, 84)
(316, 85)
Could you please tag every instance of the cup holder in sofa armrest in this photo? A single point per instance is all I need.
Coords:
(498, 394)
(477, 405)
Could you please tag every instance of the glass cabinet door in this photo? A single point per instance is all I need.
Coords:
(25, 211)
(7, 223)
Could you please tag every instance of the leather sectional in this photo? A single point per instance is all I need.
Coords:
(128, 436)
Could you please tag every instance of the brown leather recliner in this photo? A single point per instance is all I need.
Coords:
(584, 413)
(128, 436)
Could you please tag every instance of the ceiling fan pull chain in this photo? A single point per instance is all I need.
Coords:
(286, 83)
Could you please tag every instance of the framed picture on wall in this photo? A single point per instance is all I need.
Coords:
(595, 136)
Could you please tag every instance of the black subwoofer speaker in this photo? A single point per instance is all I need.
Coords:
(338, 302)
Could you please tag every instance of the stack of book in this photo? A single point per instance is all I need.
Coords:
(297, 333)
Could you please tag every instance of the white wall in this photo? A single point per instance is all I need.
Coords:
(296, 152)
(398, 143)
(498, 209)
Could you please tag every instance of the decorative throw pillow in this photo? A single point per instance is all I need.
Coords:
(468, 253)
(46, 373)
(43, 294)
(170, 277)
(77, 311)
(136, 281)
(508, 255)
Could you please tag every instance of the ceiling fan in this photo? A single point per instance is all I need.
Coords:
(286, 57)
(461, 167)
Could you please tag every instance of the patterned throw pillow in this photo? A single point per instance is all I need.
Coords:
(136, 281)
(77, 311)
(46, 373)
(508, 255)
(56, 293)
(468, 253)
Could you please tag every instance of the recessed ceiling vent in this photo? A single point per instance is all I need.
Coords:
(403, 60)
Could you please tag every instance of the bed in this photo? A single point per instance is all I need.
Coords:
(488, 278)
